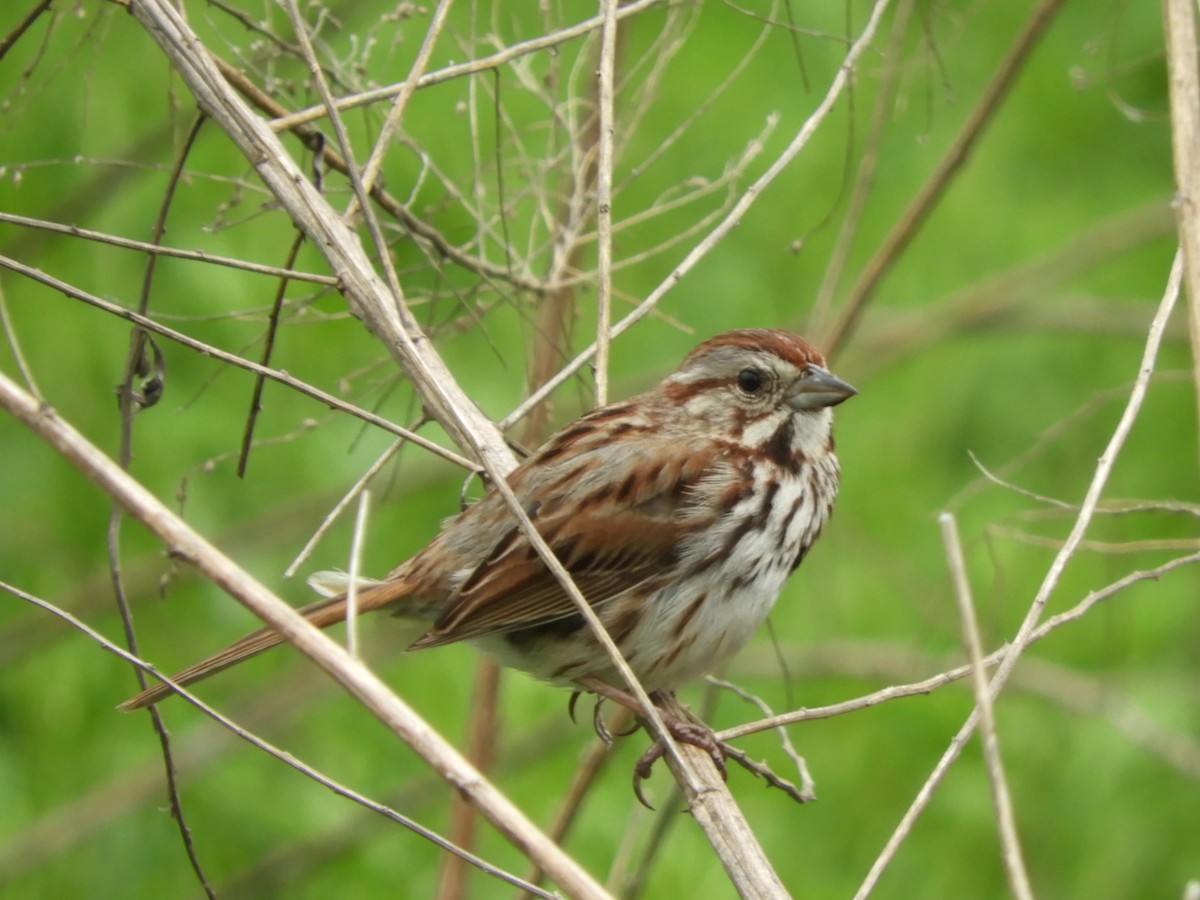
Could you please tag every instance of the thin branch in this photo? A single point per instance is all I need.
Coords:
(14, 345)
(1152, 544)
(283, 756)
(604, 195)
(931, 192)
(234, 360)
(356, 489)
(1028, 626)
(731, 220)
(359, 681)
(934, 682)
(1179, 25)
(395, 116)
(174, 252)
(1010, 843)
(10, 39)
(356, 546)
(268, 348)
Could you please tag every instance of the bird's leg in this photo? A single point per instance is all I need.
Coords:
(679, 722)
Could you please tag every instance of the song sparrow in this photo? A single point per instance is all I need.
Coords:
(679, 513)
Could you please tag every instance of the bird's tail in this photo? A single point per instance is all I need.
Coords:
(322, 614)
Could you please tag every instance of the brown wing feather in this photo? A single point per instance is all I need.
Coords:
(628, 522)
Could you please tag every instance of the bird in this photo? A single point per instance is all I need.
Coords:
(679, 513)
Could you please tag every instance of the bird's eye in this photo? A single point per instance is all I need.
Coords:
(750, 381)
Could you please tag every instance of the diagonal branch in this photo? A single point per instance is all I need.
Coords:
(185, 543)
(283, 756)
(1025, 634)
(368, 297)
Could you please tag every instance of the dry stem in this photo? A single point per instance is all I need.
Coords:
(1029, 625)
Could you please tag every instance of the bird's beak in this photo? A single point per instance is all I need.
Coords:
(816, 389)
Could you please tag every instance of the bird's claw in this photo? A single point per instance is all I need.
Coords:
(693, 733)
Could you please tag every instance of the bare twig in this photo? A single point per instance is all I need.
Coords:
(9, 40)
(732, 218)
(1010, 843)
(101, 237)
(358, 680)
(1153, 544)
(356, 546)
(604, 195)
(1179, 25)
(356, 489)
(807, 790)
(395, 116)
(268, 348)
(1109, 508)
(283, 756)
(234, 360)
(1050, 582)
(934, 682)
(14, 345)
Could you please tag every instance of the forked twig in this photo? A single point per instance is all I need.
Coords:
(807, 790)
(732, 217)
(1028, 626)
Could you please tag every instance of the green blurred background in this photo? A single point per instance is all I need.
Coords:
(1010, 328)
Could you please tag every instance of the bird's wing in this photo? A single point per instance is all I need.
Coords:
(611, 519)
